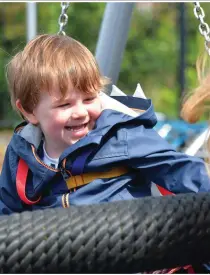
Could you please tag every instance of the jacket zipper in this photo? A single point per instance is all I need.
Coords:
(42, 163)
(64, 172)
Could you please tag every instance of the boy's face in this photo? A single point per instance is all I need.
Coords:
(65, 121)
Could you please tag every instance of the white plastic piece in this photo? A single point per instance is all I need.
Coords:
(139, 92)
(111, 103)
(116, 91)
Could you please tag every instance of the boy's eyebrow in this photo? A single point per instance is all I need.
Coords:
(58, 101)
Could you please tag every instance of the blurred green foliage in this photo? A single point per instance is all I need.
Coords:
(151, 56)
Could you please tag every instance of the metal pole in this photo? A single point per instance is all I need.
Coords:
(113, 37)
(31, 20)
(182, 52)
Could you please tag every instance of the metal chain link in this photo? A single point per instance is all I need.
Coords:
(203, 26)
(63, 18)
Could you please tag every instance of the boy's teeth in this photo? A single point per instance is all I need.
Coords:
(76, 128)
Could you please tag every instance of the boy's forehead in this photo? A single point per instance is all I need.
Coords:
(59, 89)
(55, 94)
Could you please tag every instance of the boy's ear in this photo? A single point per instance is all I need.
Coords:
(29, 116)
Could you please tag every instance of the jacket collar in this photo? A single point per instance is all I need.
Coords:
(110, 118)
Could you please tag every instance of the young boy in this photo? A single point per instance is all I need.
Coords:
(71, 151)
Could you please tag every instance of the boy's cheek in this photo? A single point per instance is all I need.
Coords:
(104, 104)
(99, 111)
(100, 105)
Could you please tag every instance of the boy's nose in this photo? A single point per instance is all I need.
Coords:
(78, 112)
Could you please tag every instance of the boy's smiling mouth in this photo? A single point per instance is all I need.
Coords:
(76, 128)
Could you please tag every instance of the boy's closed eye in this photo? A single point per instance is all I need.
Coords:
(63, 105)
(68, 104)
(89, 99)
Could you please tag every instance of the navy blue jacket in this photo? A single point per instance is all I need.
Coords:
(116, 140)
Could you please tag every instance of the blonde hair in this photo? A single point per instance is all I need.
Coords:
(196, 103)
(48, 59)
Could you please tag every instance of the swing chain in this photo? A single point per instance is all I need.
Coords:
(203, 26)
(63, 18)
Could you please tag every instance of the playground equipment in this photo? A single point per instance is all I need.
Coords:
(123, 237)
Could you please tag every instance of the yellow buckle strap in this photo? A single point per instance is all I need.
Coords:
(76, 181)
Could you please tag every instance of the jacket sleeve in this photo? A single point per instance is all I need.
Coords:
(9, 200)
(161, 164)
